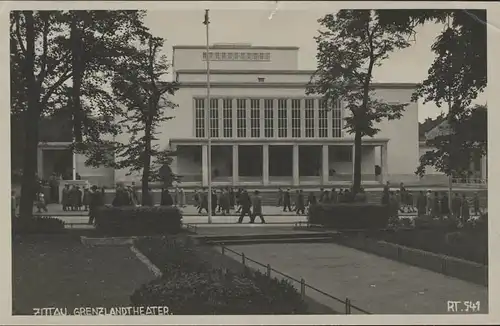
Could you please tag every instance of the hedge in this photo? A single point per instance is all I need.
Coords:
(350, 215)
(191, 286)
(138, 220)
(37, 225)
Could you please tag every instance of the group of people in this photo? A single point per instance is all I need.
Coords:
(432, 203)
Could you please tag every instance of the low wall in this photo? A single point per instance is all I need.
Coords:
(450, 266)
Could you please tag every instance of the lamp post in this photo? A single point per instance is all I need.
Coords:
(207, 122)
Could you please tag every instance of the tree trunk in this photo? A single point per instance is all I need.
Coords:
(77, 78)
(146, 171)
(31, 118)
(356, 186)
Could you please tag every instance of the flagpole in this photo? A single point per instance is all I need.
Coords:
(207, 123)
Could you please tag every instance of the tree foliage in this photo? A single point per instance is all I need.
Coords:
(106, 38)
(351, 44)
(139, 86)
(452, 151)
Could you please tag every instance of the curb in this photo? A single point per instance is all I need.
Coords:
(152, 267)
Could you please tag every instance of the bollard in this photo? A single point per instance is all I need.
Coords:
(268, 272)
(243, 259)
(302, 288)
(223, 250)
(347, 306)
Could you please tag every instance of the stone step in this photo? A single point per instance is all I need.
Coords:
(275, 236)
(279, 240)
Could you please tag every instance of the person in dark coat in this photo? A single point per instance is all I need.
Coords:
(311, 199)
(122, 197)
(421, 203)
(333, 196)
(300, 207)
(238, 203)
(436, 205)
(476, 205)
(465, 209)
(96, 200)
(456, 205)
(73, 198)
(79, 198)
(445, 205)
(166, 198)
(225, 201)
(246, 204)
(287, 201)
(203, 201)
(214, 202)
(257, 208)
(231, 198)
(385, 194)
(86, 199)
(65, 201)
(54, 188)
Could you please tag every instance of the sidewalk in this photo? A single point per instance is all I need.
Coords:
(373, 283)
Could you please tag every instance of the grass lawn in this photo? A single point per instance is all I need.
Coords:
(468, 244)
(58, 271)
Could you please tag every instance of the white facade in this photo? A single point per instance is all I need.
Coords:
(314, 149)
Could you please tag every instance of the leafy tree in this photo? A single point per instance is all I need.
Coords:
(105, 39)
(139, 86)
(350, 45)
(469, 40)
(467, 140)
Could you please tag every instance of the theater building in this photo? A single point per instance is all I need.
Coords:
(265, 130)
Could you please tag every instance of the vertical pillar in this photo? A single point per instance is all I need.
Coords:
(325, 165)
(265, 164)
(296, 177)
(235, 165)
(383, 163)
(39, 161)
(204, 165)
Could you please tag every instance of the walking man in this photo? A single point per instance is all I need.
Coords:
(245, 206)
(257, 208)
(299, 203)
(287, 201)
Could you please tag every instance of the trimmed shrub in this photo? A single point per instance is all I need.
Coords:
(191, 286)
(350, 215)
(138, 220)
(37, 225)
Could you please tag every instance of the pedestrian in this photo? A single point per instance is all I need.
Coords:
(54, 188)
(219, 201)
(385, 194)
(182, 197)
(287, 201)
(436, 205)
(231, 198)
(393, 206)
(86, 199)
(134, 198)
(79, 198)
(166, 198)
(421, 203)
(65, 197)
(280, 197)
(96, 200)
(41, 202)
(238, 195)
(203, 201)
(311, 199)
(476, 205)
(456, 206)
(225, 201)
(429, 200)
(333, 196)
(214, 202)
(196, 198)
(299, 203)
(445, 205)
(257, 208)
(465, 209)
(245, 206)
(175, 197)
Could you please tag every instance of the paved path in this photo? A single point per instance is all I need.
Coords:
(59, 271)
(371, 282)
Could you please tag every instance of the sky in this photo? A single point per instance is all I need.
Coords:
(290, 28)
